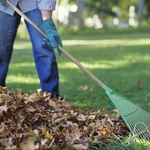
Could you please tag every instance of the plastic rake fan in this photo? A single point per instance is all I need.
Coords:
(137, 119)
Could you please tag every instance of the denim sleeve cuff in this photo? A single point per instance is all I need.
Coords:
(46, 4)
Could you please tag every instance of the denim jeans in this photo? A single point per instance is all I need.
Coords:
(44, 57)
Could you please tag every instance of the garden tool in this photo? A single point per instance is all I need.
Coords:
(136, 119)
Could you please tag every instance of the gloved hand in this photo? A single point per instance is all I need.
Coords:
(3, 2)
(48, 27)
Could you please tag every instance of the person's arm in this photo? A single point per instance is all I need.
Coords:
(46, 14)
(48, 26)
(46, 7)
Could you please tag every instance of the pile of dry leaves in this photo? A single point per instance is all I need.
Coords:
(39, 122)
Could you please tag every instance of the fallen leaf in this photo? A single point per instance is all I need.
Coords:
(79, 147)
(83, 88)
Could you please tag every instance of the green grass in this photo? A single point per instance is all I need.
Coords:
(118, 62)
(128, 144)
(118, 59)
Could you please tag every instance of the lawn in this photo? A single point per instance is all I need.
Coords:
(119, 60)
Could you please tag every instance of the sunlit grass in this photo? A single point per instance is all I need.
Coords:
(119, 62)
(24, 64)
(21, 44)
(103, 64)
(108, 42)
(22, 79)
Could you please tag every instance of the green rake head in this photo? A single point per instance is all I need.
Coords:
(137, 119)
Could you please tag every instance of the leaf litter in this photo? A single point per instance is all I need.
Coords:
(39, 122)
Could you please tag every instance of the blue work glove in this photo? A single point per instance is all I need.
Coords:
(48, 27)
(3, 2)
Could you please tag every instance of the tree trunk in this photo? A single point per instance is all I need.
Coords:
(140, 11)
(80, 4)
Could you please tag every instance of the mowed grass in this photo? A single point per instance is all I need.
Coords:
(119, 60)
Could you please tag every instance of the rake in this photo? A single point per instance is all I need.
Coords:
(136, 119)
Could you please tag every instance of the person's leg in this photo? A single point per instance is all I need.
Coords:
(8, 28)
(44, 57)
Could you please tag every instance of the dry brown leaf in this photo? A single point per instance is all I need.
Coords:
(83, 88)
(58, 120)
(80, 147)
(30, 109)
(102, 112)
(27, 144)
(12, 148)
(53, 104)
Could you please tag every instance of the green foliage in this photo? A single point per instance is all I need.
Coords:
(106, 9)
(147, 9)
(72, 1)
(99, 7)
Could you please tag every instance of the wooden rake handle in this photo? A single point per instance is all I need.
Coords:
(60, 48)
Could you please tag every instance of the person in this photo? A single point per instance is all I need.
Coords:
(40, 12)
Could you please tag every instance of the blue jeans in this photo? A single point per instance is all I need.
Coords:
(45, 60)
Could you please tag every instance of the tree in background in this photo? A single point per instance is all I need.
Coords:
(107, 10)
(140, 12)
(147, 10)
(80, 11)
